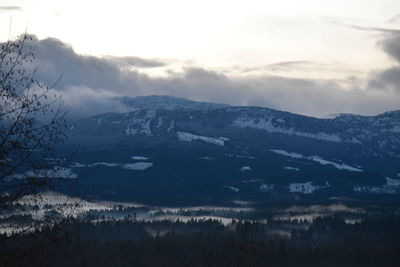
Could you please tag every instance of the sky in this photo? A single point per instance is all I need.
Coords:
(310, 57)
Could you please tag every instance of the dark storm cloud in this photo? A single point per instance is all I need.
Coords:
(89, 85)
(10, 8)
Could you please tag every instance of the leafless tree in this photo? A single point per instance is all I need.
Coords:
(32, 124)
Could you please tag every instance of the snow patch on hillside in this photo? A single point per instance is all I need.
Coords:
(251, 181)
(139, 158)
(189, 137)
(232, 188)
(291, 168)
(171, 126)
(130, 131)
(67, 205)
(392, 186)
(139, 166)
(107, 164)
(288, 154)
(239, 156)
(78, 165)
(146, 128)
(139, 126)
(340, 166)
(245, 168)
(392, 182)
(128, 166)
(57, 173)
(268, 125)
(266, 187)
(304, 188)
(159, 122)
(205, 158)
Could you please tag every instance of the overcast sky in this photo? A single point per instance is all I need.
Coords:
(306, 56)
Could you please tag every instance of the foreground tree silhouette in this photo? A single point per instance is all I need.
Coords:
(32, 124)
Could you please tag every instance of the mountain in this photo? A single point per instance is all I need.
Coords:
(182, 151)
(166, 102)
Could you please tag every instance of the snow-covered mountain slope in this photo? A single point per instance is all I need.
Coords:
(208, 147)
(364, 137)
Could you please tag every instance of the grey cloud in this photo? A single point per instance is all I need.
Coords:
(288, 65)
(288, 68)
(279, 66)
(10, 8)
(317, 98)
(390, 39)
(56, 58)
(391, 45)
(387, 79)
(84, 101)
(136, 62)
(89, 86)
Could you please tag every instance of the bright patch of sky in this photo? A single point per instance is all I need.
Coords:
(234, 37)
